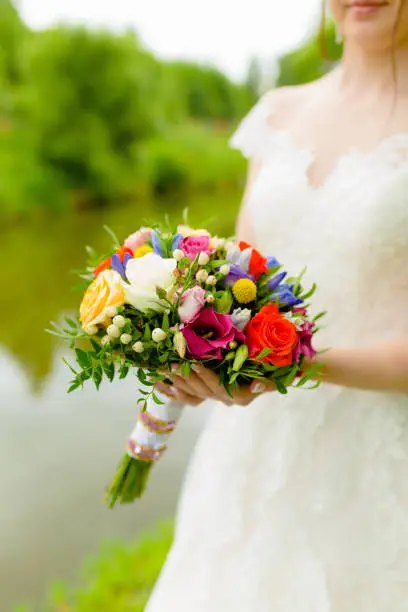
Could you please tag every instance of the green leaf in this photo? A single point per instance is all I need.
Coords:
(161, 293)
(74, 385)
(165, 322)
(109, 369)
(319, 316)
(309, 294)
(280, 387)
(123, 371)
(82, 358)
(71, 323)
(186, 368)
(70, 366)
(240, 357)
(97, 376)
(264, 353)
(156, 400)
(147, 334)
(224, 302)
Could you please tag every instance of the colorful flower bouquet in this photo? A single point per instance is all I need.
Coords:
(185, 297)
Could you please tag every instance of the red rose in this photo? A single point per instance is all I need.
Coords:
(270, 330)
(257, 263)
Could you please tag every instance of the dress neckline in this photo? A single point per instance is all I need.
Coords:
(392, 143)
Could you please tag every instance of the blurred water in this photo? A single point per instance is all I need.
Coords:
(58, 451)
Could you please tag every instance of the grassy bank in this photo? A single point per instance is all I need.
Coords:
(119, 579)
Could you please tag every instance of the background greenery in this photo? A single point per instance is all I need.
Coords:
(95, 129)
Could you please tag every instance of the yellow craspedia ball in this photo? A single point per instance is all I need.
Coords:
(244, 290)
(142, 251)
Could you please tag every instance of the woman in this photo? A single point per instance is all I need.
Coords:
(300, 503)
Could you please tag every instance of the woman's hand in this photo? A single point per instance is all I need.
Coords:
(203, 384)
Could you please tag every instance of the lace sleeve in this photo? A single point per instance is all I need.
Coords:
(252, 133)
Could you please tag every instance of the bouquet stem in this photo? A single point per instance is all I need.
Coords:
(129, 482)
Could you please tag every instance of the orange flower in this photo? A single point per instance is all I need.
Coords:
(103, 293)
(270, 330)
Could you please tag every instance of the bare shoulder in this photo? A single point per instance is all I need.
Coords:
(288, 103)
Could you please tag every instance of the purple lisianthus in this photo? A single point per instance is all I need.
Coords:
(276, 280)
(304, 346)
(194, 245)
(120, 266)
(236, 273)
(285, 296)
(208, 333)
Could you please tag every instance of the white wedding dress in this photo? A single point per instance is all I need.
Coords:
(299, 503)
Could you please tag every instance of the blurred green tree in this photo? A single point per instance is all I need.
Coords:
(311, 61)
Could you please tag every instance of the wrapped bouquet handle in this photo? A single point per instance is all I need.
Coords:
(146, 444)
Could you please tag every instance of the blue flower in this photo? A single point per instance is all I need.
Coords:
(275, 281)
(284, 294)
(176, 242)
(272, 262)
(156, 243)
(120, 266)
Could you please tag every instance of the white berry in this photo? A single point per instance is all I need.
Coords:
(178, 254)
(202, 276)
(91, 330)
(138, 347)
(126, 338)
(113, 331)
(203, 259)
(211, 280)
(158, 335)
(119, 321)
(225, 269)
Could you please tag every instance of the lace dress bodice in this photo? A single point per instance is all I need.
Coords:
(299, 503)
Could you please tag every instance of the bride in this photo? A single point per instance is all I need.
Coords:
(299, 503)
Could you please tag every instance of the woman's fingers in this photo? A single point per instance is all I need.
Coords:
(173, 392)
(211, 381)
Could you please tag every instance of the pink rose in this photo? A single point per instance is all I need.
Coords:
(194, 245)
(138, 239)
(208, 333)
(192, 301)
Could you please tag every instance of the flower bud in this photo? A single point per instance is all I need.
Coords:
(178, 254)
(91, 330)
(211, 280)
(138, 347)
(210, 299)
(233, 345)
(203, 259)
(202, 276)
(119, 321)
(225, 269)
(112, 311)
(180, 344)
(126, 338)
(105, 341)
(177, 273)
(113, 331)
(158, 335)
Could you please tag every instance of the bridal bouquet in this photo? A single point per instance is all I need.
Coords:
(184, 297)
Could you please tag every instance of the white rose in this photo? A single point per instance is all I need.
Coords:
(240, 318)
(145, 275)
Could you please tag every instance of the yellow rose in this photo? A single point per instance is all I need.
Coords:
(187, 231)
(104, 292)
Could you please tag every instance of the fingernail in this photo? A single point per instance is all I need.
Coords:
(175, 368)
(196, 368)
(258, 388)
